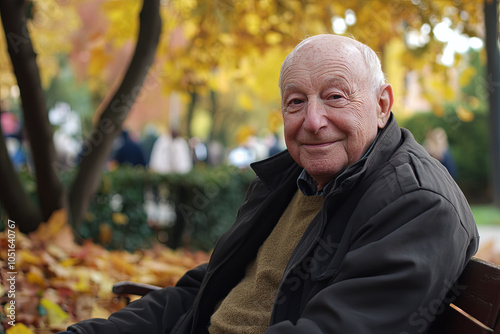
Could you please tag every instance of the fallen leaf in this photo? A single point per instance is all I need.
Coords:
(55, 315)
(63, 282)
(19, 328)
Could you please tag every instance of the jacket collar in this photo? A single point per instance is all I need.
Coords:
(389, 141)
(274, 170)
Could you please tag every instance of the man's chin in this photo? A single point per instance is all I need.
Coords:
(321, 176)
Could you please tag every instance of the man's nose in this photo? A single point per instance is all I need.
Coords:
(315, 117)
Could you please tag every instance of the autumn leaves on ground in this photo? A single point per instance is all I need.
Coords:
(58, 282)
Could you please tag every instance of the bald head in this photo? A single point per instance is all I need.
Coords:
(344, 46)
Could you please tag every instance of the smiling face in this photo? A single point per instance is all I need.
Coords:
(331, 109)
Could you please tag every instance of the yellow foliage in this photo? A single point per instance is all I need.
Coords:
(252, 22)
(55, 315)
(120, 264)
(467, 75)
(123, 20)
(27, 257)
(35, 277)
(100, 58)
(119, 218)
(69, 262)
(219, 82)
(222, 45)
(190, 29)
(243, 133)
(105, 233)
(46, 231)
(64, 276)
(82, 282)
(448, 91)
(99, 312)
(474, 102)
(48, 39)
(262, 76)
(275, 121)
(19, 328)
(201, 124)
(438, 110)
(7, 79)
(465, 114)
(245, 101)
(185, 6)
(273, 38)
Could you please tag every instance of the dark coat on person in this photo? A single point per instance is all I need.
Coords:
(129, 152)
(394, 233)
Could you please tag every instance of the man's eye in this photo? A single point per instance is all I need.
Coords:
(296, 101)
(336, 97)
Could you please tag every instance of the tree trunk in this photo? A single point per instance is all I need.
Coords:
(493, 78)
(97, 147)
(190, 111)
(213, 112)
(38, 128)
(13, 197)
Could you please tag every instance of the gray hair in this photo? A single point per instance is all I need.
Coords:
(371, 59)
(374, 65)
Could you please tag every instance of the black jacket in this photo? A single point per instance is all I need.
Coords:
(394, 233)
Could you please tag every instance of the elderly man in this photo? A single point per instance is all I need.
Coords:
(353, 229)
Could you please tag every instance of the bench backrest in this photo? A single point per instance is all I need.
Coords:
(475, 302)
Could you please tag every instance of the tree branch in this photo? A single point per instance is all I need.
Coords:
(14, 198)
(98, 146)
(38, 128)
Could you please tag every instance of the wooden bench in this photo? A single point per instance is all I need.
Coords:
(474, 307)
(477, 308)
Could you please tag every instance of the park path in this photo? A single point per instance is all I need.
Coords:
(489, 245)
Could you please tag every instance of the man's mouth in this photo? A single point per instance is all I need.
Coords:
(318, 145)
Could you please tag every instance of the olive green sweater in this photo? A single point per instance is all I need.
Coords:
(247, 308)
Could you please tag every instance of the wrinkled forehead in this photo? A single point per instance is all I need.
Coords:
(317, 49)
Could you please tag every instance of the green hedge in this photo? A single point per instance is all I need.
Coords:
(206, 201)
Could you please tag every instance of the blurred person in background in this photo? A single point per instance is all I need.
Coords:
(171, 154)
(128, 151)
(149, 137)
(436, 143)
(13, 133)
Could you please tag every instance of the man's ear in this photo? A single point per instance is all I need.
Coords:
(385, 101)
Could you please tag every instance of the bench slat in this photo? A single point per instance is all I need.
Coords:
(479, 287)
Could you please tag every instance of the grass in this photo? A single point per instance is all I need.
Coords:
(486, 214)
